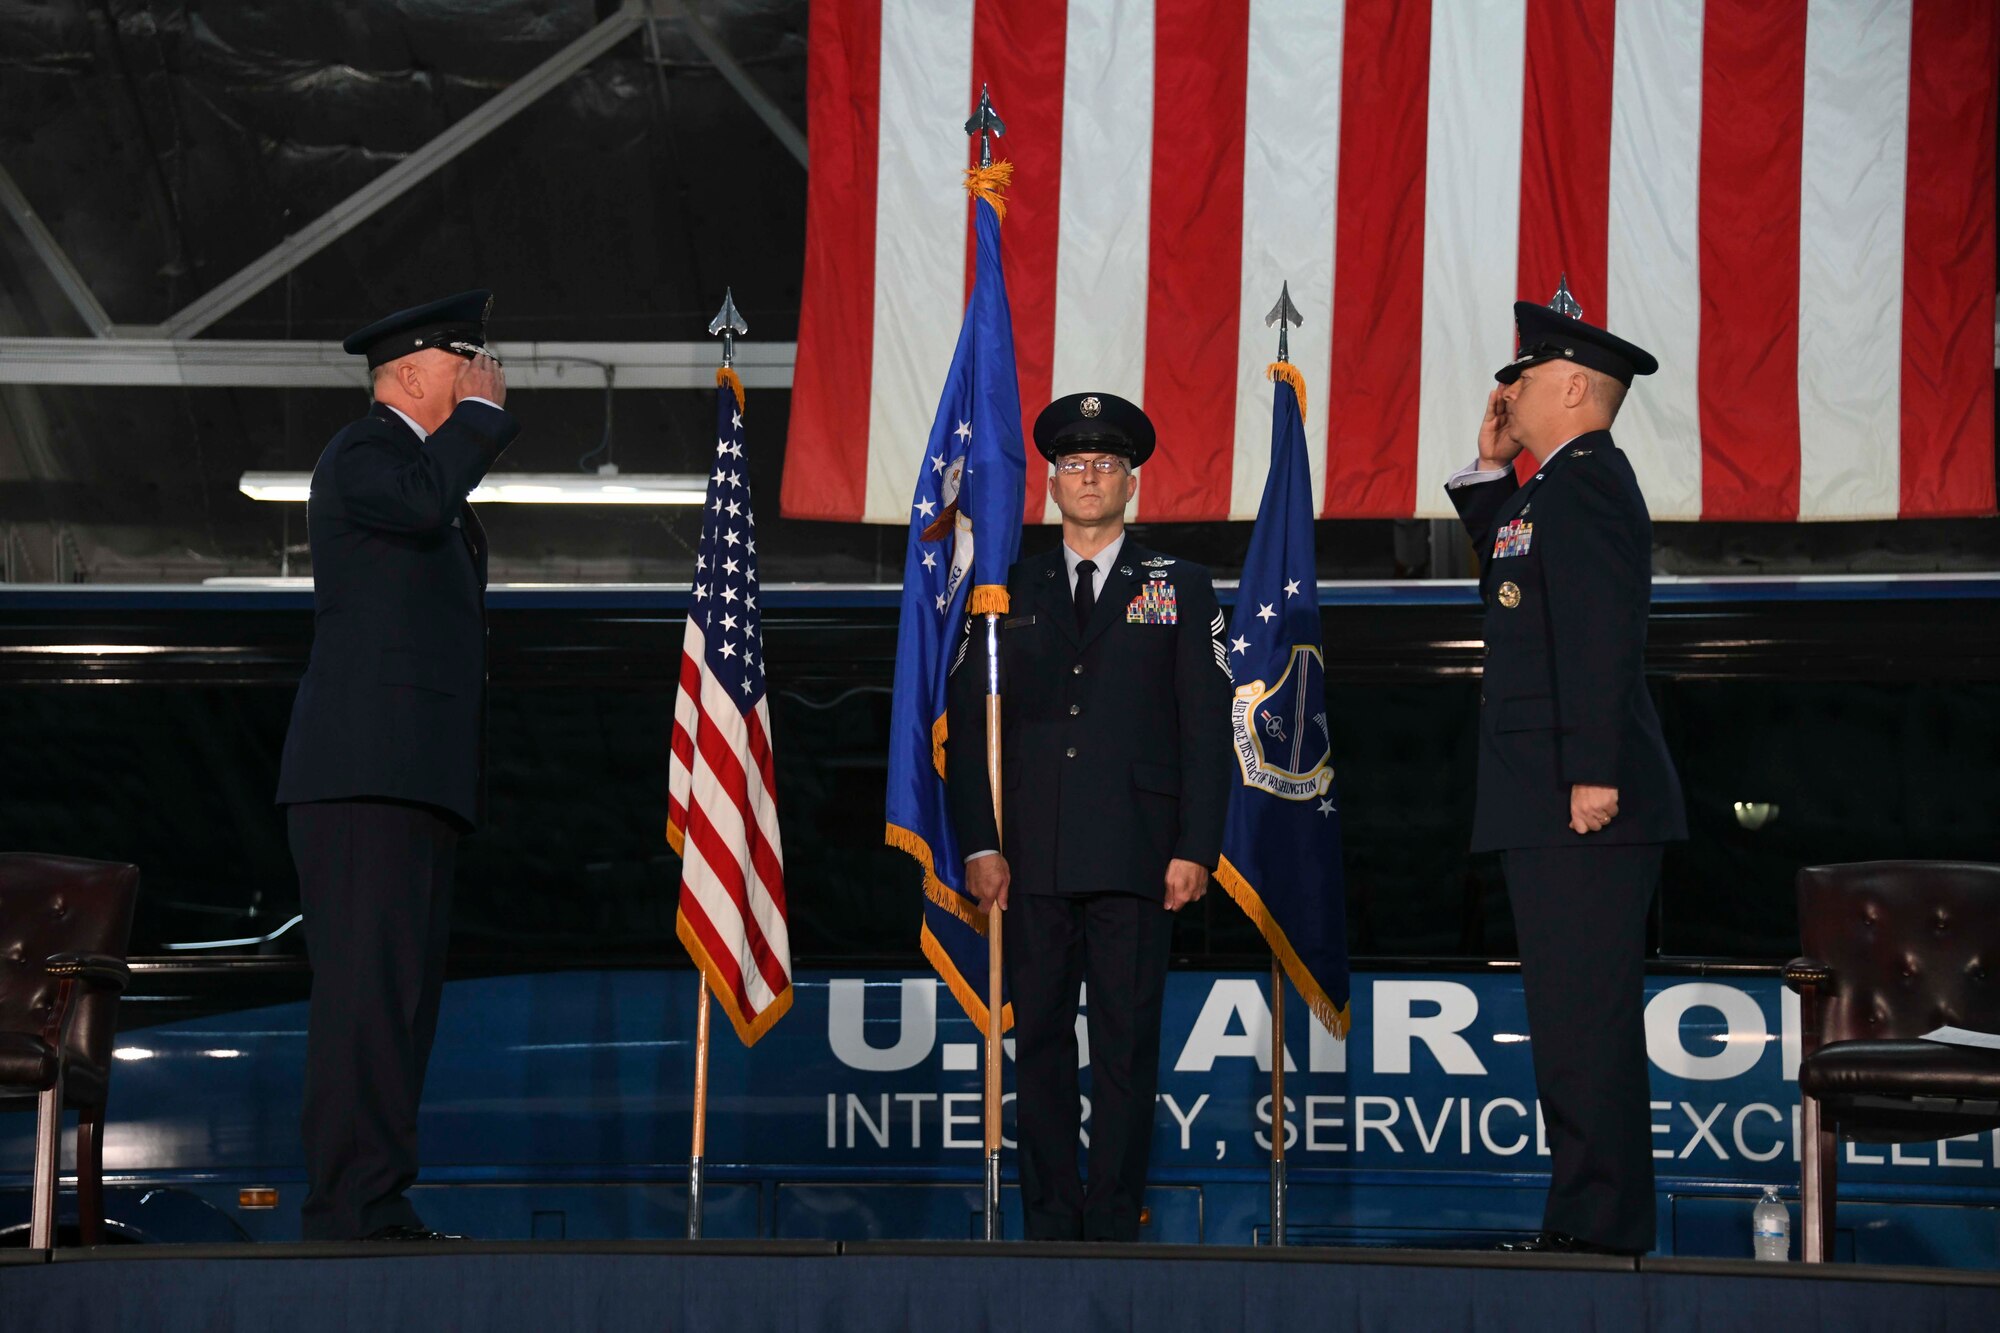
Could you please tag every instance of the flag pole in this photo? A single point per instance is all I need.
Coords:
(695, 1161)
(994, 958)
(728, 323)
(1277, 1102)
(1283, 314)
(983, 125)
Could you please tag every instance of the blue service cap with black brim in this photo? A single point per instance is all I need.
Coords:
(1550, 335)
(1094, 423)
(457, 324)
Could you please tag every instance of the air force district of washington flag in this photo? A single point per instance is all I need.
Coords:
(1281, 845)
(965, 529)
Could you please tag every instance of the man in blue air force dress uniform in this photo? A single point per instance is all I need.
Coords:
(1576, 789)
(383, 762)
(1115, 777)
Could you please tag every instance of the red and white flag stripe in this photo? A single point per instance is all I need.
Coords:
(722, 820)
(1790, 202)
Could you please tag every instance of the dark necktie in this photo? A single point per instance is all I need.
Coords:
(1086, 596)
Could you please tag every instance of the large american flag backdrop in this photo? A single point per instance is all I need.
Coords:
(1790, 202)
(722, 793)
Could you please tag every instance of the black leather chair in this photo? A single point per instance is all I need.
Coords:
(64, 927)
(1894, 949)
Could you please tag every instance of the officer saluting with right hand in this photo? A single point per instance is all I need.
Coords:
(383, 762)
(1576, 790)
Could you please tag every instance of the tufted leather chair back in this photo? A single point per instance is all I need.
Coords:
(60, 904)
(1914, 946)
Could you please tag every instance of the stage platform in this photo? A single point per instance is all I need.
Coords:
(804, 1287)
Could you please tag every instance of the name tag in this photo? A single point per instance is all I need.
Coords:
(1514, 539)
(1016, 622)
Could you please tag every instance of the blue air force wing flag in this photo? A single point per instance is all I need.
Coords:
(965, 530)
(1281, 843)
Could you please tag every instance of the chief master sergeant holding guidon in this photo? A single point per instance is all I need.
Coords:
(383, 763)
(1116, 773)
(1576, 789)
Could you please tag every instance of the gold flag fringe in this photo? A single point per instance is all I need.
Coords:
(968, 999)
(988, 599)
(747, 1029)
(726, 378)
(1289, 373)
(1334, 1020)
(990, 184)
(935, 889)
(938, 735)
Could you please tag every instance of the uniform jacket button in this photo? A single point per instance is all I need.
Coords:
(1074, 709)
(1070, 752)
(1076, 670)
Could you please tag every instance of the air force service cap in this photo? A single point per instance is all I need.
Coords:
(1094, 423)
(456, 324)
(1556, 332)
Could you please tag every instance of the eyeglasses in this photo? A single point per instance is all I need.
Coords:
(1076, 467)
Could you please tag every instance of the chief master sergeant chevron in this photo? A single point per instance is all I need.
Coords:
(1115, 775)
(1576, 789)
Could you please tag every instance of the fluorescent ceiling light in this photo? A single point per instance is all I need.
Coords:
(536, 488)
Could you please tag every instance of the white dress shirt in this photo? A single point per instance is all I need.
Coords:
(1105, 560)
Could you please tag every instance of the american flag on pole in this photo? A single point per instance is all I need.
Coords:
(1790, 202)
(722, 795)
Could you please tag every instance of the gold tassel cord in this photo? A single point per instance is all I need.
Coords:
(988, 599)
(727, 378)
(991, 184)
(1289, 373)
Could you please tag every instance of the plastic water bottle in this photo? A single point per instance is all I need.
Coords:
(1771, 1226)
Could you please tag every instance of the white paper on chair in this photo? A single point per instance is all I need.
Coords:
(1952, 1036)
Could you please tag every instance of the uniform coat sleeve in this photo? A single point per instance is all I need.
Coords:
(1202, 687)
(971, 795)
(382, 486)
(1597, 566)
(1479, 506)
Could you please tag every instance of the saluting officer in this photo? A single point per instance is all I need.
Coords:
(1115, 770)
(1576, 789)
(382, 764)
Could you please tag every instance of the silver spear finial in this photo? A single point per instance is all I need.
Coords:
(728, 323)
(983, 120)
(1562, 302)
(1282, 314)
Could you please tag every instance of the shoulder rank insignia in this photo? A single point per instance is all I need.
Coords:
(1155, 605)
